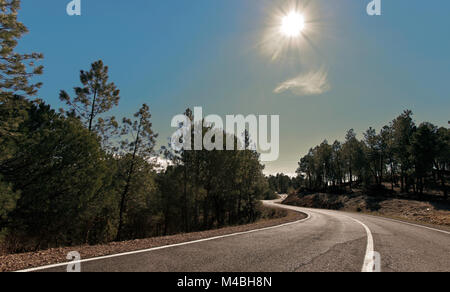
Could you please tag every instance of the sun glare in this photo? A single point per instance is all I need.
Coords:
(292, 24)
(291, 29)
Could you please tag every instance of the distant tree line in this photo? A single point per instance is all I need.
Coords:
(284, 184)
(80, 176)
(414, 158)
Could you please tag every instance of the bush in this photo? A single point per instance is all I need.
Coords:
(270, 195)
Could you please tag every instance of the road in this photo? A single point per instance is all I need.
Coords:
(327, 241)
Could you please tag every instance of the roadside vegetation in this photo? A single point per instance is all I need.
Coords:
(79, 175)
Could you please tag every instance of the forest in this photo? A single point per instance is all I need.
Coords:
(78, 175)
(402, 157)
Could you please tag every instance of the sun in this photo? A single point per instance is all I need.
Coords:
(292, 29)
(292, 24)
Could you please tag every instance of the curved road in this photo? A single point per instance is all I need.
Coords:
(326, 241)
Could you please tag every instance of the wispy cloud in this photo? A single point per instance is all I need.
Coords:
(311, 83)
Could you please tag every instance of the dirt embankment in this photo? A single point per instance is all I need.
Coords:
(16, 262)
(435, 213)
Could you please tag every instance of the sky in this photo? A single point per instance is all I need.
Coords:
(347, 70)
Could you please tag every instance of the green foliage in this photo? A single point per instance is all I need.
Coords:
(403, 128)
(16, 69)
(96, 97)
(13, 111)
(8, 200)
(58, 169)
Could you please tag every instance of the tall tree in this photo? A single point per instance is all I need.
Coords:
(442, 159)
(137, 151)
(16, 72)
(324, 163)
(387, 148)
(306, 167)
(350, 152)
(337, 163)
(403, 128)
(96, 97)
(423, 152)
(374, 155)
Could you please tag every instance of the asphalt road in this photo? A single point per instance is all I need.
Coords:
(326, 241)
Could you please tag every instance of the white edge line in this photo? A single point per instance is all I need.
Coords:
(369, 262)
(162, 247)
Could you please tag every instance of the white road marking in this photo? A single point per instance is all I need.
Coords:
(369, 258)
(160, 247)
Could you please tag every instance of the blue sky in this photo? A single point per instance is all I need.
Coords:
(175, 54)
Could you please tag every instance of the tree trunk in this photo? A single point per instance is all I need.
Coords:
(127, 185)
(185, 209)
(402, 184)
(351, 175)
(444, 186)
(206, 209)
(392, 177)
(122, 208)
(239, 206)
(166, 224)
(91, 116)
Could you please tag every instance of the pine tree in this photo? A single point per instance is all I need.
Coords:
(403, 128)
(96, 97)
(349, 152)
(373, 154)
(139, 150)
(16, 69)
(442, 159)
(424, 150)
